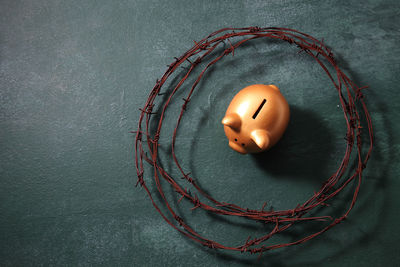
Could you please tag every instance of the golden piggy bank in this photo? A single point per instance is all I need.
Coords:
(256, 118)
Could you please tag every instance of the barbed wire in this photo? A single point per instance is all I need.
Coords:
(352, 102)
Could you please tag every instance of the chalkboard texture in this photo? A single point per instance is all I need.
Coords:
(73, 75)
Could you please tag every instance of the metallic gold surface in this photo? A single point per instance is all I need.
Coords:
(256, 118)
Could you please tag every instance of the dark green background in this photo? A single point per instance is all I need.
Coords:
(73, 75)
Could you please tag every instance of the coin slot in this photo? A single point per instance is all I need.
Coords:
(259, 108)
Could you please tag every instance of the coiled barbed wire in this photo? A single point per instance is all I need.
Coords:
(350, 96)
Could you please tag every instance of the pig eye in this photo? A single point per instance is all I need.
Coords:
(236, 139)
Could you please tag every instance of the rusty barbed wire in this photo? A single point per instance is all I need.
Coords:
(350, 96)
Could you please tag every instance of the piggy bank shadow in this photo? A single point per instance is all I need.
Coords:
(302, 152)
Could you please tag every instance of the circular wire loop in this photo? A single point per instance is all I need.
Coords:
(351, 100)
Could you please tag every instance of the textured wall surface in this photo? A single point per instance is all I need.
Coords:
(73, 75)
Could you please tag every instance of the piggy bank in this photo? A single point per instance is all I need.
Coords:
(256, 118)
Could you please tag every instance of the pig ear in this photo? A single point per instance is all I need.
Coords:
(274, 87)
(261, 138)
(232, 120)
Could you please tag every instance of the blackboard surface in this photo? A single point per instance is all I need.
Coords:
(73, 75)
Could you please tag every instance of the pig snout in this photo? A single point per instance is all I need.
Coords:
(237, 147)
